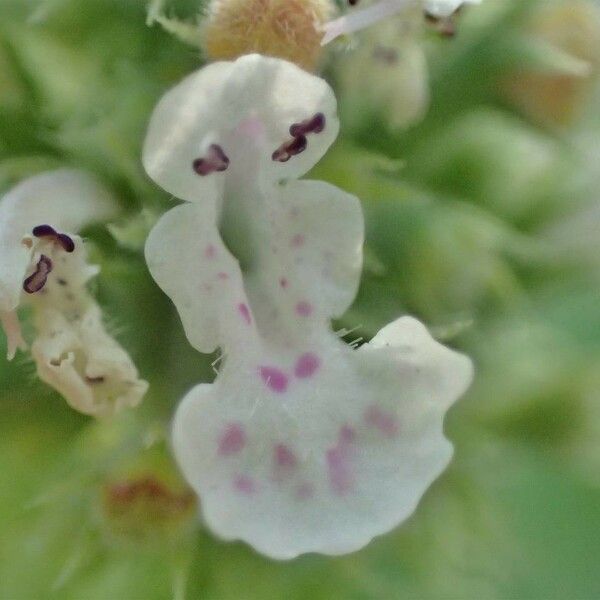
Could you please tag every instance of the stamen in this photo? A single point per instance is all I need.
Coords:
(215, 161)
(314, 125)
(37, 280)
(46, 231)
(290, 148)
(68, 245)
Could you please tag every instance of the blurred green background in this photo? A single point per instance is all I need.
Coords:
(483, 220)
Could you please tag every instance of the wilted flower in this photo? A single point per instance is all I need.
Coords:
(302, 444)
(384, 9)
(46, 268)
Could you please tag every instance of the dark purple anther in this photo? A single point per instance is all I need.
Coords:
(37, 280)
(314, 125)
(46, 231)
(67, 243)
(289, 149)
(215, 161)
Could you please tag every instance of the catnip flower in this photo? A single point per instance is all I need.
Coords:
(382, 10)
(44, 266)
(302, 443)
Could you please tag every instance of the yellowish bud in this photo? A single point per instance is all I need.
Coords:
(288, 29)
(557, 98)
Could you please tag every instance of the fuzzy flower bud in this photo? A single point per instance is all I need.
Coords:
(289, 29)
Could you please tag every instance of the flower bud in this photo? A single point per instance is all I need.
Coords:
(568, 39)
(288, 29)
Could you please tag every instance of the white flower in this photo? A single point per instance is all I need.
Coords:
(45, 267)
(384, 9)
(302, 444)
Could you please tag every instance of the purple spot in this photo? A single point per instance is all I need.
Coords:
(251, 127)
(244, 484)
(245, 312)
(210, 251)
(305, 491)
(274, 378)
(340, 476)
(223, 276)
(385, 422)
(307, 365)
(304, 308)
(233, 440)
(283, 282)
(298, 241)
(284, 457)
(347, 435)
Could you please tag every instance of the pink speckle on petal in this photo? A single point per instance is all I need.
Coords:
(245, 312)
(307, 365)
(233, 440)
(274, 378)
(385, 422)
(304, 309)
(305, 491)
(244, 484)
(284, 457)
(222, 276)
(298, 241)
(283, 282)
(347, 435)
(251, 127)
(340, 475)
(210, 251)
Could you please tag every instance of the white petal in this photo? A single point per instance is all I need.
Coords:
(65, 199)
(306, 256)
(324, 457)
(362, 18)
(189, 261)
(224, 102)
(9, 322)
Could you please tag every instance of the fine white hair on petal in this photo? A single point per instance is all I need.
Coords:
(301, 444)
(66, 199)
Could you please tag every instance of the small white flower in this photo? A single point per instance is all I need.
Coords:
(302, 444)
(384, 9)
(45, 267)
